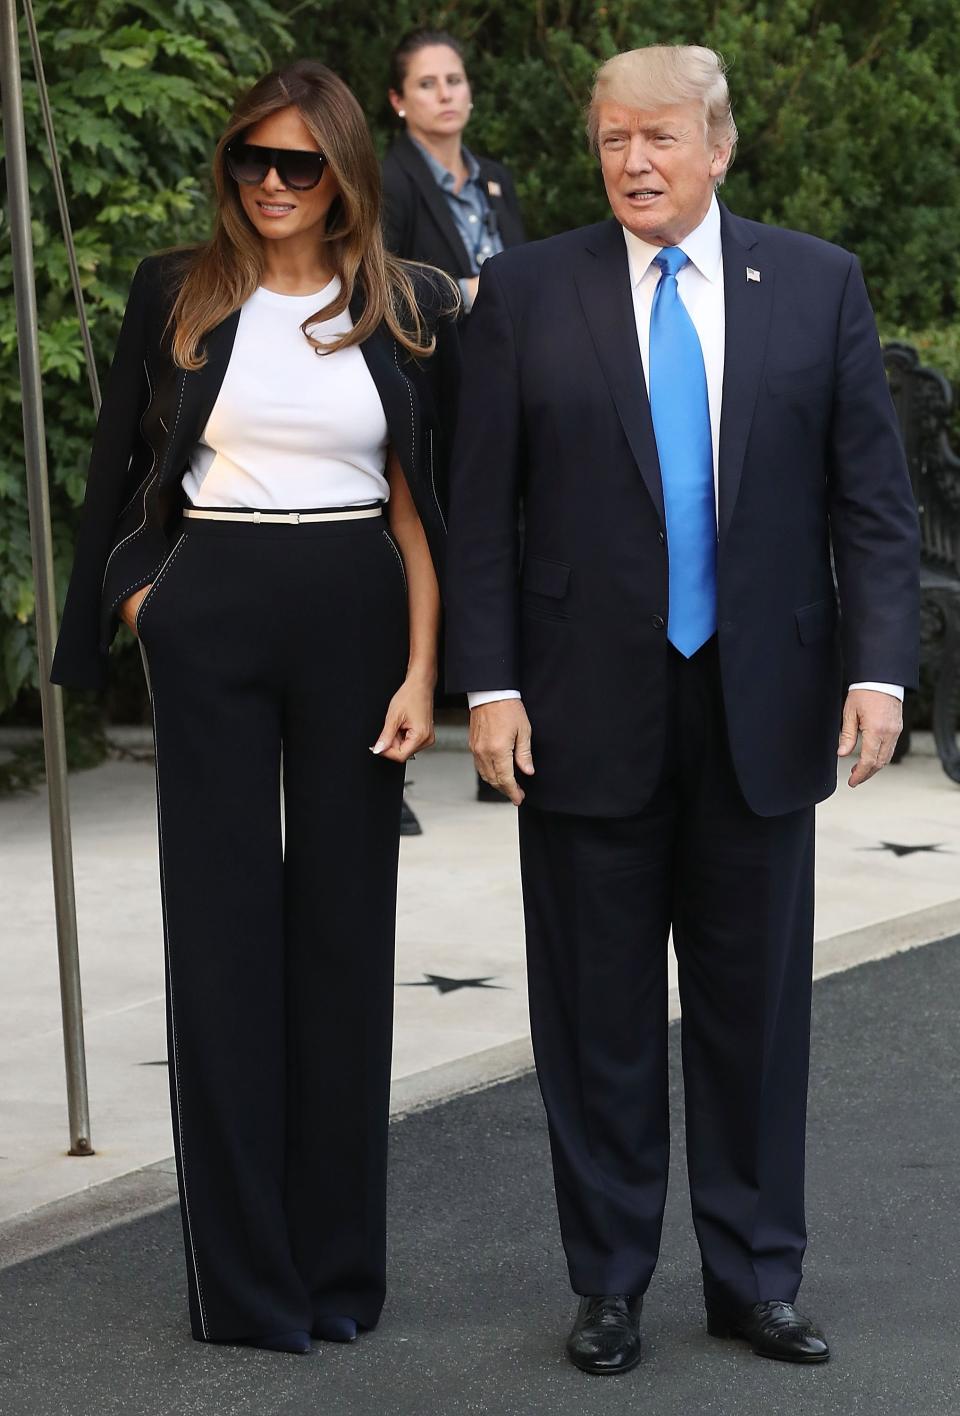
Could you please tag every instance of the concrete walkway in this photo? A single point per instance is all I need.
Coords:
(479, 1303)
(461, 1003)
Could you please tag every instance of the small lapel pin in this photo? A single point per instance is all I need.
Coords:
(494, 189)
(753, 274)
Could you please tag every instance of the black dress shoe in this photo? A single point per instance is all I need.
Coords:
(605, 1338)
(487, 793)
(773, 1329)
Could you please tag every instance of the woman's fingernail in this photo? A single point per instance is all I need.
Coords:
(377, 748)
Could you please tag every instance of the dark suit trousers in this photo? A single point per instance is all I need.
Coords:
(600, 897)
(273, 652)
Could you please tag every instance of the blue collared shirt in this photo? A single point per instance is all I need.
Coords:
(470, 209)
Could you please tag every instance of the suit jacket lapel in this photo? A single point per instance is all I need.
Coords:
(420, 173)
(603, 282)
(381, 356)
(197, 394)
(747, 308)
(508, 220)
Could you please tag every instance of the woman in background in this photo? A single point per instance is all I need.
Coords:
(260, 511)
(443, 204)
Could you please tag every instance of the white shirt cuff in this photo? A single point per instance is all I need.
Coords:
(496, 695)
(894, 689)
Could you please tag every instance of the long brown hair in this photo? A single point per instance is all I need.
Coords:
(224, 271)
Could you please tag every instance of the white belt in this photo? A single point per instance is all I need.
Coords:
(284, 518)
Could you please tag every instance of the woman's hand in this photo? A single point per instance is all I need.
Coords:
(408, 725)
(130, 606)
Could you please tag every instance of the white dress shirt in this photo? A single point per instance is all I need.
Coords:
(700, 285)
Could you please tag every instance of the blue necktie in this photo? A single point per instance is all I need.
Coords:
(681, 423)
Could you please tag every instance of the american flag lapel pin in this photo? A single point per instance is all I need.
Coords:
(494, 189)
(753, 275)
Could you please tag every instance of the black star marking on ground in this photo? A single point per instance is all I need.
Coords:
(898, 850)
(450, 985)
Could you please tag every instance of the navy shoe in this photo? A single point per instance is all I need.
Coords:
(283, 1342)
(331, 1328)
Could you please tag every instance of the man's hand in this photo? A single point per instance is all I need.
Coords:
(878, 717)
(499, 740)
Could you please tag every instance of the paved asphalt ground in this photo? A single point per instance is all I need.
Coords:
(479, 1303)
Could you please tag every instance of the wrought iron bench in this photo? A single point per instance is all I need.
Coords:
(924, 402)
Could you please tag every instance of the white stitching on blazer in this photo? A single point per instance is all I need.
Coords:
(134, 534)
(153, 450)
(396, 551)
(413, 426)
(433, 484)
(161, 573)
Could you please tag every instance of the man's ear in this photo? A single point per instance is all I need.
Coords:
(720, 160)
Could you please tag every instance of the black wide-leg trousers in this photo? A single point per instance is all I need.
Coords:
(600, 897)
(273, 653)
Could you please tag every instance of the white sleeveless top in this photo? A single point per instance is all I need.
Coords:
(291, 430)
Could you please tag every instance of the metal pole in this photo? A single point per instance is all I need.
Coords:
(38, 501)
(60, 190)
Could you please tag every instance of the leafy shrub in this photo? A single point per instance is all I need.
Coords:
(847, 110)
(138, 92)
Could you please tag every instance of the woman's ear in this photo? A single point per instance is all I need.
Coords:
(396, 103)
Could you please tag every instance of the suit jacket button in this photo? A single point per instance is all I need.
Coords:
(661, 538)
(658, 621)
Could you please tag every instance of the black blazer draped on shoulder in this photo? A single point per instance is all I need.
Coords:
(153, 413)
(417, 221)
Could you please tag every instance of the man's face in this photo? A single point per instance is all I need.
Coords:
(658, 168)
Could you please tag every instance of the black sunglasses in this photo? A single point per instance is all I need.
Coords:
(249, 164)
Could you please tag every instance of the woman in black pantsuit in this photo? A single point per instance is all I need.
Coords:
(261, 510)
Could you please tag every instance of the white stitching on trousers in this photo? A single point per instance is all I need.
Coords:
(175, 1059)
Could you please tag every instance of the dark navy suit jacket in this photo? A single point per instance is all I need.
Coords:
(554, 416)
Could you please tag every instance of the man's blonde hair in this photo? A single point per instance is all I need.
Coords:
(661, 75)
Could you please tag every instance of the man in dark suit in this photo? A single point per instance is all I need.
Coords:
(693, 411)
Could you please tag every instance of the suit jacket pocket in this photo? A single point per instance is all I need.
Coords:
(543, 586)
(816, 622)
(149, 600)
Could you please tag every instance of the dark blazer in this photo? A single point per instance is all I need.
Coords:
(417, 222)
(554, 411)
(152, 415)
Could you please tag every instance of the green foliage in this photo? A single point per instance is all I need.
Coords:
(139, 92)
(24, 767)
(848, 112)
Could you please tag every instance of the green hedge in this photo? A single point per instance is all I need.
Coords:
(848, 114)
